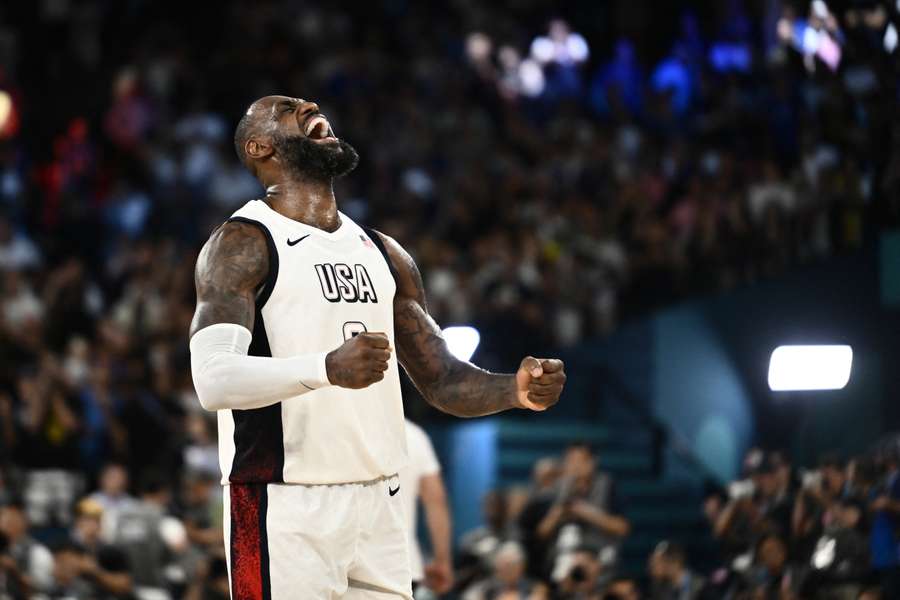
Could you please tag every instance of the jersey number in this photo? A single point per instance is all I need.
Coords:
(353, 328)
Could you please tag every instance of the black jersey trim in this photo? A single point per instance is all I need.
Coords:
(258, 432)
(379, 243)
(269, 284)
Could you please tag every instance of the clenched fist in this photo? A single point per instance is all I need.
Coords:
(359, 362)
(539, 382)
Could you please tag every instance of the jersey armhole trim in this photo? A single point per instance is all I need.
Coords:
(379, 243)
(269, 284)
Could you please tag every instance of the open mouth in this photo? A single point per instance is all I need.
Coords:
(318, 129)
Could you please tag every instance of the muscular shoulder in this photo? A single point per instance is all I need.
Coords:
(232, 265)
(409, 279)
(235, 255)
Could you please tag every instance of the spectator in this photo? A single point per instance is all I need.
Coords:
(210, 582)
(579, 575)
(884, 507)
(584, 509)
(202, 513)
(27, 564)
(771, 574)
(152, 538)
(508, 581)
(669, 575)
(104, 567)
(478, 547)
(113, 498)
(67, 581)
(622, 588)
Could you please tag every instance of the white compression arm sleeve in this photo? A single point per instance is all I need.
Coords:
(225, 377)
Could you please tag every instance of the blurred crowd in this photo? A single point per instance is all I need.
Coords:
(544, 201)
(831, 532)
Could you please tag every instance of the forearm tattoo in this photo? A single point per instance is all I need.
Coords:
(447, 383)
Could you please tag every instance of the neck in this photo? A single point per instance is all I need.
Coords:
(310, 202)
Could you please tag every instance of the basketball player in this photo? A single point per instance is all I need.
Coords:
(303, 318)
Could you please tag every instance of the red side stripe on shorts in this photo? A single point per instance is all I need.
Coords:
(249, 543)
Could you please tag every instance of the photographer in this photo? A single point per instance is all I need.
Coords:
(841, 559)
(583, 509)
(822, 489)
(758, 504)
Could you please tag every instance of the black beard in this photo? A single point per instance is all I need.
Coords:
(313, 160)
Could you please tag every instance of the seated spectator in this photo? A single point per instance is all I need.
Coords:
(202, 504)
(26, 563)
(545, 474)
(884, 512)
(478, 547)
(105, 566)
(582, 509)
(771, 574)
(67, 581)
(669, 575)
(210, 582)
(579, 575)
(622, 588)
(152, 538)
(113, 497)
(508, 581)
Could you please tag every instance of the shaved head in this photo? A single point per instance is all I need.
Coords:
(296, 136)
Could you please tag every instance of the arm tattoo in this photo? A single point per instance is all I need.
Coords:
(447, 383)
(230, 268)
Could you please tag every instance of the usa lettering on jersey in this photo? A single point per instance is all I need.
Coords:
(341, 282)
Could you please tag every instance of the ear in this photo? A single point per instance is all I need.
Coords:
(258, 149)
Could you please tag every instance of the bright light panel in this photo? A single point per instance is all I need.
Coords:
(810, 368)
(462, 341)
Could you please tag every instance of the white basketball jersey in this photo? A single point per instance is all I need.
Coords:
(322, 289)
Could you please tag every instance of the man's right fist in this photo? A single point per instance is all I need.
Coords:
(359, 362)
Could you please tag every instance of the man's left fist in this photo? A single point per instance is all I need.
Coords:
(539, 382)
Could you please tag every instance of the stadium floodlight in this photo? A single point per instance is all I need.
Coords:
(810, 367)
(462, 341)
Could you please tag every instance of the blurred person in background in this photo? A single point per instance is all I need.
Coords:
(884, 513)
(26, 563)
(421, 480)
(583, 509)
(67, 581)
(817, 501)
(202, 511)
(622, 588)
(152, 538)
(508, 580)
(478, 546)
(105, 566)
(840, 562)
(201, 453)
(113, 497)
(580, 575)
(771, 574)
(210, 581)
(670, 577)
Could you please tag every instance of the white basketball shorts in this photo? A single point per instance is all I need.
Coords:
(317, 542)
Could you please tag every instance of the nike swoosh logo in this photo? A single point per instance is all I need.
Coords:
(393, 491)
(298, 240)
